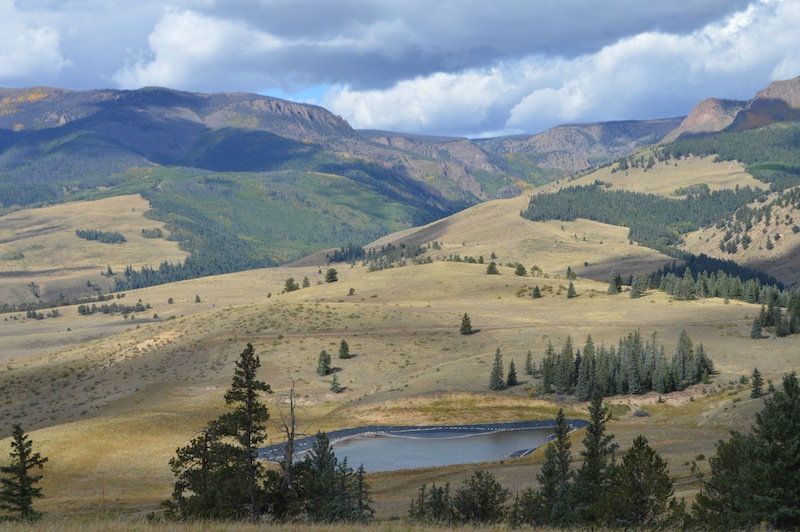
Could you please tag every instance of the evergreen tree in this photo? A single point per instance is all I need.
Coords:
(571, 276)
(306, 282)
(219, 474)
(520, 270)
(18, 485)
(331, 490)
(594, 475)
(511, 380)
(245, 424)
(432, 506)
(331, 276)
(550, 501)
(754, 479)
(335, 386)
(640, 489)
(496, 381)
(529, 369)
(481, 500)
(756, 331)
(571, 291)
(491, 269)
(639, 285)
(324, 363)
(758, 383)
(615, 283)
(290, 285)
(466, 324)
(344, 349)
(536, 293)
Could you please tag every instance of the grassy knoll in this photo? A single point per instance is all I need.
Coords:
(108, 399)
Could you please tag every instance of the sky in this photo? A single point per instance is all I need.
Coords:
(445, 67)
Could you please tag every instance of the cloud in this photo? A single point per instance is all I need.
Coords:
(28, 50)
(648, 75)
(186, 45)
(452, 66)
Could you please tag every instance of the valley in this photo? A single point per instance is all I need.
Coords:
(131, 283)
(109, 398)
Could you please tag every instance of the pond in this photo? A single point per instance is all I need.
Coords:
(390, 452)
(391, 448)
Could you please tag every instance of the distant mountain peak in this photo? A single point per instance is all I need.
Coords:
(708, 116)
(787, 90)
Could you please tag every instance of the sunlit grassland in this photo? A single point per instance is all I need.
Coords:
(109, 399)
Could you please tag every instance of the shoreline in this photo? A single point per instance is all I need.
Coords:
(274, 453)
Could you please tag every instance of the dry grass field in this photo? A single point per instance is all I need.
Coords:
(57, 261)
(109, 399)
(666, 176)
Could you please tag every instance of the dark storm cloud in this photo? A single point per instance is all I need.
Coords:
(446, 66)
(391, 41)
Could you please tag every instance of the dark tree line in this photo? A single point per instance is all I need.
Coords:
(654, 221)
(780, 308)
(635, 366)
(113, 308)
(106, 237)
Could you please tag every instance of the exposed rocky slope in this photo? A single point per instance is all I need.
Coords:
(708, 116)
(779, 102)
(576, 147)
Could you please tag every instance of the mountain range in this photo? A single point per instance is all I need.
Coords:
(216, 167)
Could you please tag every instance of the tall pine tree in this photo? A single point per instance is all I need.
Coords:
(594, 475)
(18, 486)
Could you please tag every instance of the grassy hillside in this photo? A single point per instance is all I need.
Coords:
(108, 398)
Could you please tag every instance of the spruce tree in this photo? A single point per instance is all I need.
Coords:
(593, 477)
(639, 284)
(481, 500)
(496, 381)
(571, 291)
(18, 485)
(511, 380)
(466, 325)
(520, 270)
(536, 293)
(491, 269)
(756, 331)
(331, 276)
(753, 480)
(640, 489)
(344, 349)
(550, 501)
(758, 382)
(335, 386)
(219, 473)
(331, 490)
(615, 283)
(529, 369)
(324, 363)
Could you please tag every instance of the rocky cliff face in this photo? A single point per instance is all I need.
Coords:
(779, 102)
(708, 116)
(785, 90)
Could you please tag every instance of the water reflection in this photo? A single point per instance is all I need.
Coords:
(381, 452)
